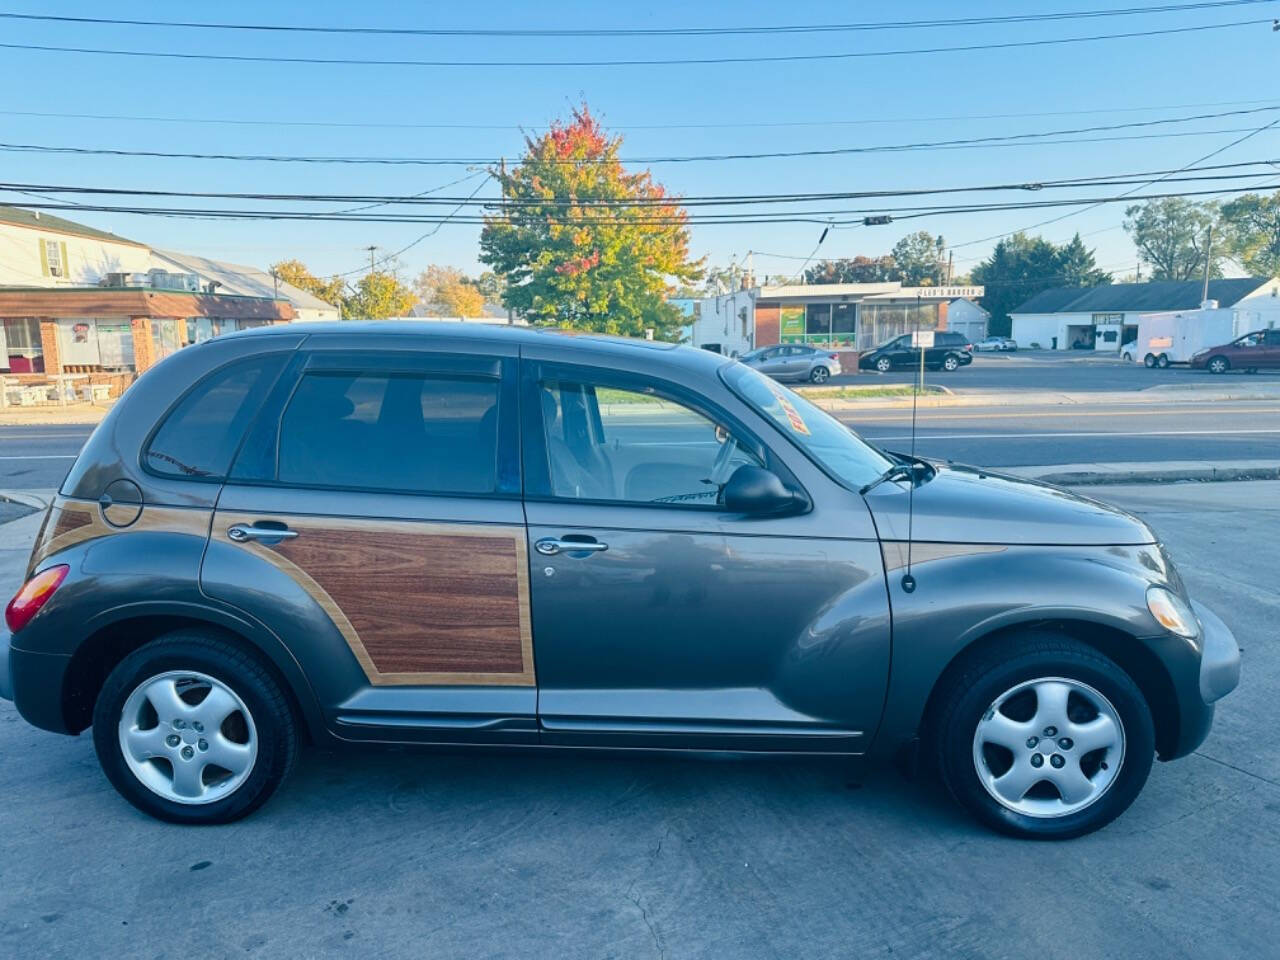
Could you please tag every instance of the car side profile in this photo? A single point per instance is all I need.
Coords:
(1259, 350)
(996, 344)
(950, 352)
(437, 534)
(794, 361)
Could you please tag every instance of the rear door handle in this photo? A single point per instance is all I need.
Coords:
(243, 533)
(550, 546)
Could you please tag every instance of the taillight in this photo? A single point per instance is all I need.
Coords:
(834, 356)
(35, 593)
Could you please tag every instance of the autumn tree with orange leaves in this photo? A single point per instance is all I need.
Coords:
(582, 243)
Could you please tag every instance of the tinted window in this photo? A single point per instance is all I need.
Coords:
(610, 444)
(422, 433)
(201, 434)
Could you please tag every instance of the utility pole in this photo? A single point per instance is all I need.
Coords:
(275, 279)
(1208, 258)
(951, 260)
(371, 248)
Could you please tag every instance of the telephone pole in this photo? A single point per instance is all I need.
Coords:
(371, 248)
(1208, 258)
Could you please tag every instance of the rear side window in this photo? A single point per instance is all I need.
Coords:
(201, 434)
(410, 432)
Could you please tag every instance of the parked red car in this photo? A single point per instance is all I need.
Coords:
(1253, 351)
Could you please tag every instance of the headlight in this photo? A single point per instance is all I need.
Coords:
(1198, 354)
(1172, 612)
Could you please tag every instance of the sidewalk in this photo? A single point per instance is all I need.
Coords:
(83, 413)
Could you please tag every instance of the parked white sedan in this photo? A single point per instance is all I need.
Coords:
(999, 344)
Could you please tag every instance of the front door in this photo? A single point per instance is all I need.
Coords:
(661, 619)
(373, 518)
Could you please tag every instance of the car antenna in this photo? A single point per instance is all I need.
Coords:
(908, 580)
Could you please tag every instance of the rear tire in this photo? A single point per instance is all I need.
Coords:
(819, 375)
(1162, 361)
(170, 771)
(1101, 700)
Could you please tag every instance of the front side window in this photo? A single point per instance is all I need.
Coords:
(201, 434)
(839, 450)
(406, 432)
(635, 446)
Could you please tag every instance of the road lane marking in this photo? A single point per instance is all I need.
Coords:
(1065, 435)
(1118, 412)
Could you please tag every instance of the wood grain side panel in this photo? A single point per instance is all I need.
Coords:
(75, 521)
(68, 516)
(417, 602)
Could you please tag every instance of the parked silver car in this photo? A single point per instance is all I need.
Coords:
(794, 361)
(998, 344)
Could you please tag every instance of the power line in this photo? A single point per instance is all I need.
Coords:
(1047, 136)
(674, 61)
(745, 124)
(644, 31)
(1216, 172)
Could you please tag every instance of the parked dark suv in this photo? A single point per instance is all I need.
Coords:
(448, 534)
(950, 351)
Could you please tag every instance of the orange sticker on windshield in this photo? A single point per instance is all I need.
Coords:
(793, 415)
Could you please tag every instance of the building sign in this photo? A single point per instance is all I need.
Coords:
(941, 293)
(791, 325)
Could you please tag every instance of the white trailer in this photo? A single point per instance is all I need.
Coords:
(1165, 338)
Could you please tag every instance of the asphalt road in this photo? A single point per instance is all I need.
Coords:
(38, 457)
(1048, 371)
(426, 855)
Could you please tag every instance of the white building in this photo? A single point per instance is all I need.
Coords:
(242, 281)
(1106, 317)
(834, 316)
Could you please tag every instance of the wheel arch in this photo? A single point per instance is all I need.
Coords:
(116, 633)
(1133, 656)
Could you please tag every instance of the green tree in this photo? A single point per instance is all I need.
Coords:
(1021, 266)
(584, 244)
(856, 270)
(449, 292)
(295, 272)
(1251, 232)
(491, 286)
(1172, 236)
(378, 295)
(919, 259)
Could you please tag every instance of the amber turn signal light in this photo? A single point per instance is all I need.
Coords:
(35, 593)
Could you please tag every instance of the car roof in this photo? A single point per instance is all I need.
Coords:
(574, 342)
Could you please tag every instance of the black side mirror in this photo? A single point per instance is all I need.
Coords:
(760, 492)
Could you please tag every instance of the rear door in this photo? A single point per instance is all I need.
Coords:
(373, 520)
(1271, 349)
(663, 620)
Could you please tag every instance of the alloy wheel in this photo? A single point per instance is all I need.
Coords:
(883, 364)
(188, 737)
(1049, 747)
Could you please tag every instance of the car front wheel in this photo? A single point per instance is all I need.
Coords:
(819, 375)
(1041, 736)
(192, 729)
(884, 364)
(1219, 365)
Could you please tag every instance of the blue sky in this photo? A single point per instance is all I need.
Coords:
(851, 102)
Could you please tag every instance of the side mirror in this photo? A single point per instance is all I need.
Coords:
(760, 492)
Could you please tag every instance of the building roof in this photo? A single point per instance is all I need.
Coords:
(246, 281)
(43, 221)
(1140, 297)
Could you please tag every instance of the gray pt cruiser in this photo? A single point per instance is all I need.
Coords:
(446, 534)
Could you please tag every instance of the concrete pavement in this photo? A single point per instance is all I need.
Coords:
(412, 854)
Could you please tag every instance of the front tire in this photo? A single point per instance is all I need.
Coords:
(1218, 365)
(1149, 360)
(192, 729)
(884, 364)
(1162, 361)
(1041, 736)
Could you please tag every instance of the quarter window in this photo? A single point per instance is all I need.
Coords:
(636, 446)
(201, 434)
(408, 432)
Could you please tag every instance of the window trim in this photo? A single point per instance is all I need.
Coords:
(537, 469)
(267, 427)
(169, 411)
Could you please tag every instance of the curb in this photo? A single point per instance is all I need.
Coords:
(1059, 476)
(26, 499)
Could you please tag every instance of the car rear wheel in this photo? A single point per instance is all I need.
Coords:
(1042, 736)
(1218, 365)
(191, 729)
(884, 364)
(951, 364)
(819, 375)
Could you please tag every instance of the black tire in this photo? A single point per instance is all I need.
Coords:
(974, 685)
(884, 364)
(1162, 361)
(819, 375)
(1149, 361)
(951, 364)
(1218, 364)
(243, 673)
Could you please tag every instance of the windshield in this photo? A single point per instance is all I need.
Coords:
(839, 450)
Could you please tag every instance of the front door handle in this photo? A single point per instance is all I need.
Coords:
(550, 546)
(243, 533)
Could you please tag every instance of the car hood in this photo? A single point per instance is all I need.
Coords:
(968, 505)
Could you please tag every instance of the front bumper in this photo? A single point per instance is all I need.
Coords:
(1219, 657)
